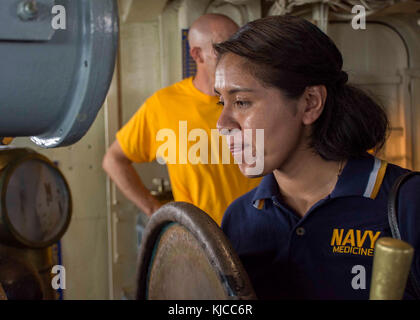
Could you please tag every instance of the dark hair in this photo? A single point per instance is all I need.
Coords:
(290, 53)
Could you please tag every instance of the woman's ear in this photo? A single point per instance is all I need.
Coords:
(314, 100)
(197, 54)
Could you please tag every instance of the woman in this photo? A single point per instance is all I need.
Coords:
(308, 231)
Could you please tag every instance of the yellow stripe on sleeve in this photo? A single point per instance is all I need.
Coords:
(379, 179)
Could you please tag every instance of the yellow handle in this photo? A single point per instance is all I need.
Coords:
(391, 266)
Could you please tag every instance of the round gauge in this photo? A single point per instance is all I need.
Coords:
(37, 202)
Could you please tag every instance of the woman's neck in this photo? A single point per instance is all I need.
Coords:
(307, 178)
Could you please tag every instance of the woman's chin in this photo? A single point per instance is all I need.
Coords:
(251, 171)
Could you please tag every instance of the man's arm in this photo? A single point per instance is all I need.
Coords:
(121, 171)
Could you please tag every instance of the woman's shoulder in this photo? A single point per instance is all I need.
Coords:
(393, 172)
(408, 201)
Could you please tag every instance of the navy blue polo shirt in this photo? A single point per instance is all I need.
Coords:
(319, 256)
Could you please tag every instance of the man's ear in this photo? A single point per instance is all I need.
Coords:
(314, 101)
(196, 54)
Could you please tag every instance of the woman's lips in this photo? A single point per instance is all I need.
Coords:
(237, 149)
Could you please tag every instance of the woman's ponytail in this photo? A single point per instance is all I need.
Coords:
(351, 123)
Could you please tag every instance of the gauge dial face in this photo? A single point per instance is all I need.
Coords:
(37, 201)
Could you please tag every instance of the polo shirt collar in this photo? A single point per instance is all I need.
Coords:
(267, 189)
(354, 180)
(360, 177)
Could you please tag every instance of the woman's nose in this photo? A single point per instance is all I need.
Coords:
(227, 122)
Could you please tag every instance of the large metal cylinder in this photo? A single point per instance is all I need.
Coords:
(54, 81)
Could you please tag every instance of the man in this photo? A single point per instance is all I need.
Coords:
(189, 104)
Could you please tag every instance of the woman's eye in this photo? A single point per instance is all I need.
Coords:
(242, 104)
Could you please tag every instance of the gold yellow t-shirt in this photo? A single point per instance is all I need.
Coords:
(178, 123)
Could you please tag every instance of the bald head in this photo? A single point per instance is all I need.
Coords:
(204, 32)
(211, 28)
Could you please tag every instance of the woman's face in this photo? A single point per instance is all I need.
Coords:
(250, 105)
